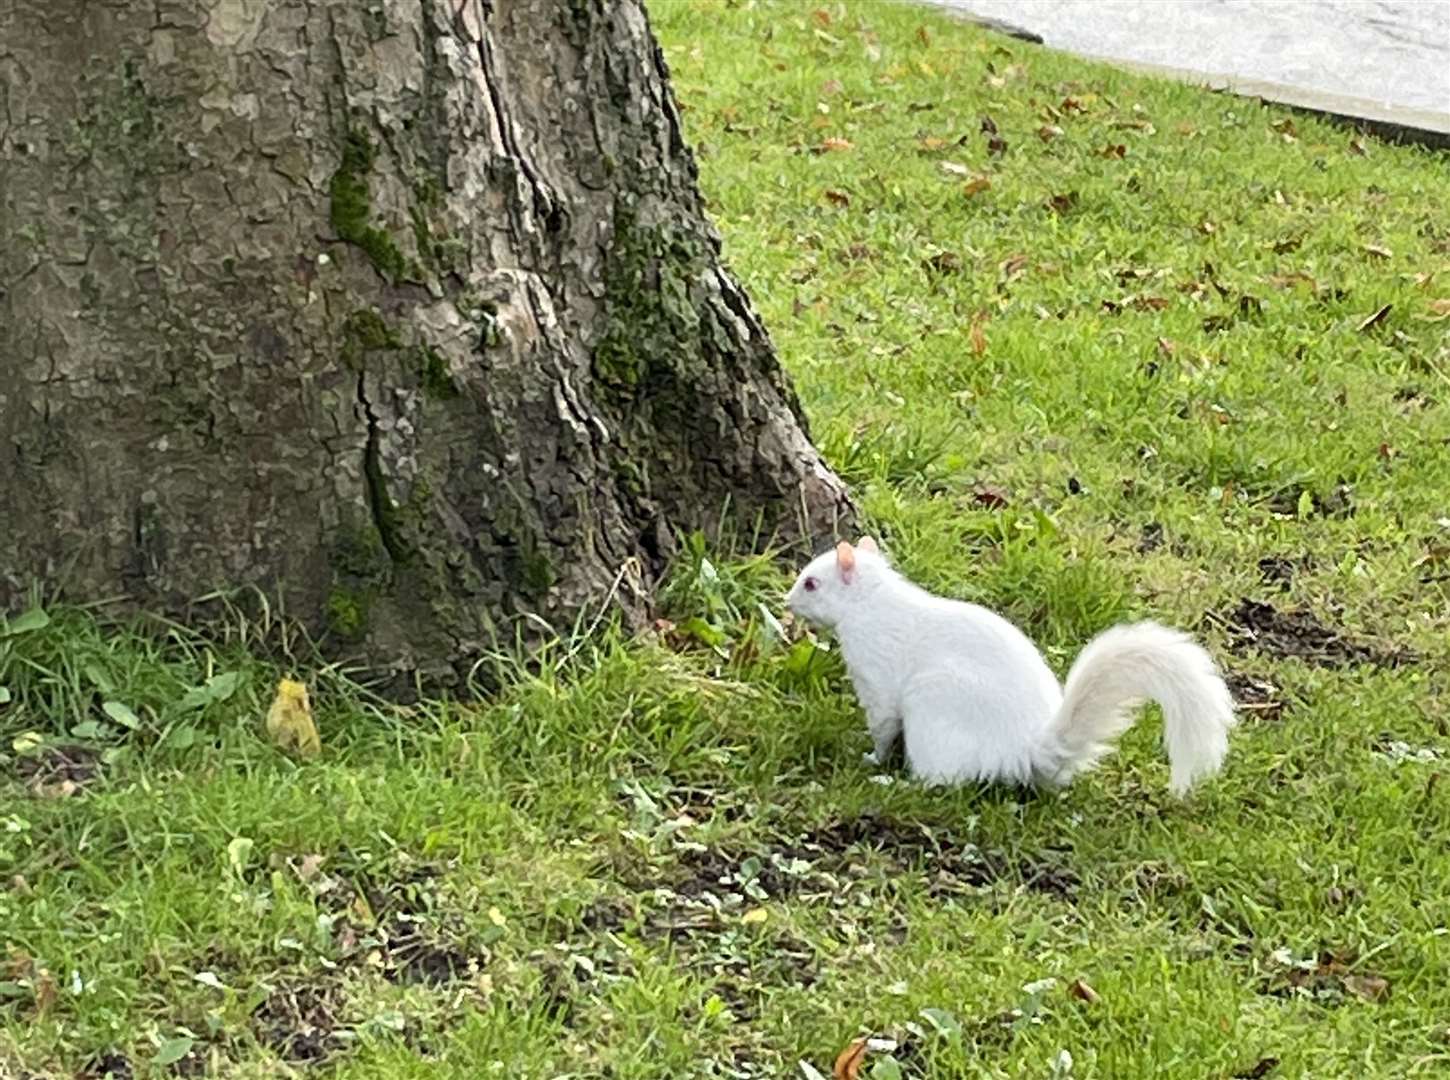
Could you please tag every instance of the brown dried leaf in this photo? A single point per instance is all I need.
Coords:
(837, 198)
(1072, 105)
(1083, 992)
(1166, 347)
(309, 866)
(849, 1061)
(45, 992)
(944, 262)
(978, 334)
(1440, 308)
(1112, 150)
(1013, 266)
(930, 144)
(827, 145)
(990, 496)
(1375, 318)
(1377, 251)
(1048, 132)
(996, 146)
(1369, 987)
(822, 17)
(1063, 203)
(976, 185)
(1357, 148)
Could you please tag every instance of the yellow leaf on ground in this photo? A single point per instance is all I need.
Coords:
(289, 720)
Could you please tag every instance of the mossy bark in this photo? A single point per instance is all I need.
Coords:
(407, 313)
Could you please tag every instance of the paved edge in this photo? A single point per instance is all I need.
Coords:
(1416, 126)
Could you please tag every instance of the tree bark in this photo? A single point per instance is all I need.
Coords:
(407, 312)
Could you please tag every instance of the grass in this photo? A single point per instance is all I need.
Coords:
(1121, 363)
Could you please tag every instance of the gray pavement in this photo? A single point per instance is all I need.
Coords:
(1383, 61)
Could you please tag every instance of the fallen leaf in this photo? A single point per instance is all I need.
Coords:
(849, 1061)
(990, 496)
(289, 720)
(310, 865)
(955, 168)
(44, 991)
(1356, 147)
(1048, 132)
(1166, 347)
(822, 17)
(931, 143)
(837, 198)
(923, 37)
(944, 262)
(1375, 318)
(1112, 150)
(172, 1051)
(978, 334)
(1083, 992)
(996, 146)
(1186, 129)
(975, 186)
(1063, 203)
(1440, 308)
(755, 916)
(828, 145)
(1013, 266)
(1284, 127)
(1369, 987)
(1072, 105)
(1377, 251)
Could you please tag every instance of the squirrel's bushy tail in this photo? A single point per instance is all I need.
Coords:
(1120, 669)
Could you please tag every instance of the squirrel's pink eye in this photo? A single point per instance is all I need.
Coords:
(811, 584)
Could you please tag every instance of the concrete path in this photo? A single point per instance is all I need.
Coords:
(1382, 61)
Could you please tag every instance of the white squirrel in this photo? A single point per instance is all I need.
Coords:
(976, 701)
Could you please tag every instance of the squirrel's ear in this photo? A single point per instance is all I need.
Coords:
(867, 544)
(845, 560)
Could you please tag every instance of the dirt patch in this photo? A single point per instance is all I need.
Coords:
(411, 955)
(949, 862)
(1255, 626)
(1277, 570)
(1338, 503)
(112, 1066)
(302, 1022)
(1152, 538)
(58, 771)
(1329, 979)
(1256, 696)
(813, 863)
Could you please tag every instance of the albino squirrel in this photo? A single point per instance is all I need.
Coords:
(975, 699)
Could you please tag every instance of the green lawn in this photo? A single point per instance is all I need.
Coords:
(1119, 358)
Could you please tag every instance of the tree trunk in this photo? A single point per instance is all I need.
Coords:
(406, 312)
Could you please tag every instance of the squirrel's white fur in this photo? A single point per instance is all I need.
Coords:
(976, 701)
